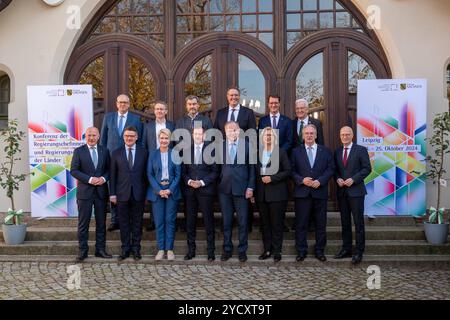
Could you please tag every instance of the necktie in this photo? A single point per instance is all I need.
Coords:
(198, 154)
(274, 122)
(130, 158)
(300, 132)
(310, 157)
(232, 152)
(121, 125)
(94, 157)
(232, 118)
(344, 160)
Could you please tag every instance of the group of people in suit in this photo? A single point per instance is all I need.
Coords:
(138, 163)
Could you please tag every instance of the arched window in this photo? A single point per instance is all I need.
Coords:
(5, 88)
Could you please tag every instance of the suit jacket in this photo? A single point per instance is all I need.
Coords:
(109, 135)
(186, 123)
(358, 168)
(82, 168)
(319, 140)
(206, 172)
(124, 179)
(149, 135)
(154, 174)
(322, 170)
(246, 119)
(236, 178)
(277, 190)
(284, 127)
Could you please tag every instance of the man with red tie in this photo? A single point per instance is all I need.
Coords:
(352, 167)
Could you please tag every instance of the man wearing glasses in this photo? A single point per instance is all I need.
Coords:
(111, 137)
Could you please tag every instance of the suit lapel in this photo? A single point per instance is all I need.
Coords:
(87, 152)
(351, 153)
(318, 155)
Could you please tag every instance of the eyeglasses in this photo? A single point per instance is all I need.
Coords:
(123, 102)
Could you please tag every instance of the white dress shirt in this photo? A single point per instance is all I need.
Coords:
(236, 112)
(195, 153)
(158, 127)
(349, 147)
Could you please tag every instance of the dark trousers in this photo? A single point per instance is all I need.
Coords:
(272, 218)
(84, 219)
(304, 208)
(194, 202)
(352, 206)
(230, 204)
(113, 211)
(130, 214)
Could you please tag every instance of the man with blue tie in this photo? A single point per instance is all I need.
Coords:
(352, 167)
(276, 120)
(90, 166)
(312, 168)
(128, 191)
(235, 186)
(111, 136)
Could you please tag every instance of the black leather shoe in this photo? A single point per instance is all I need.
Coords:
(321, 257)
(124, 255)
(265, 255)
(137, 256)
(343, 254)
(211, 257)
(242, 257)
(103, 254)
(277, 257)
(189, 256)
(113, 226)
(357, 258)
(81, 257)
(225, 256)
(300, 257)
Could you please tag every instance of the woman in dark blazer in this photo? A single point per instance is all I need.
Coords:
(164, 193)
(272, 176)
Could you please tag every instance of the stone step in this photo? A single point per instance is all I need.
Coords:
(38, 233)
(383, 261)
(333, 219)
(373, 247)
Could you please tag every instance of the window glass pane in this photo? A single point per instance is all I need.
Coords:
(198, 82)
(200, 23)
(5, 88)
(232, 23)
(265, 6)
(141, 85)
(293, 5)
(107, 25)
(156, 6)
(252, 85)
(233, 6)
(293, 38)
(140, 24)
(309, 83)
(310, 21)
(267, 38)
(326, 20)
(140, 6)
(343, 20)
(339, 6)
(293, 21)
(248, 5)
(124, 7)
(265, 22)
(326, 4)
(309, 4)
(216, 6)
(183, 24)
(216, 23)
(124, 24)
(249, 23)
(94, 74)
(358, 68)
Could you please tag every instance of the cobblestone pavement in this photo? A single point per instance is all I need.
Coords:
(48, 280)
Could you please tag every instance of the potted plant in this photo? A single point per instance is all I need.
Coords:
(14, 230)
(436, 229)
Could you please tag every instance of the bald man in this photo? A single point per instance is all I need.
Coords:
(90, 166)
(112, 136)
(352, 167)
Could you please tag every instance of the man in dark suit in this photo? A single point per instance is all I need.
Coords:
(352, 167)
(312, 168)
(245, 119)
(235, 112)
(111, 136)
(128, 191)
(236, 185)
(150, 139)
(90, 166)
(199, 191)
(301, 120)
(192, 116)
(278, 121)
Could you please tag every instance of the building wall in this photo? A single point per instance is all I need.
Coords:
(35, 45)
